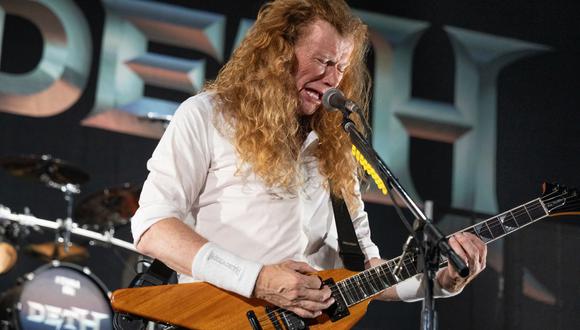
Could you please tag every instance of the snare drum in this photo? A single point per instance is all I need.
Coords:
(58, 296)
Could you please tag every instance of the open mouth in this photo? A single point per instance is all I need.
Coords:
(313, 94)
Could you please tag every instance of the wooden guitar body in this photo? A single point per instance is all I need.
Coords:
(203, 306)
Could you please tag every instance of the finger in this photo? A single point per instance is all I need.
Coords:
(472, 252)
(315, 306)
(483, 256)
(456, 246)
(310, 282)
(481, 247)
(301, 267)
(321, 295)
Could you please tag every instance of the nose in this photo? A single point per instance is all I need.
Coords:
(332, 76)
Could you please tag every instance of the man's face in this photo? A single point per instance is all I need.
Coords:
(322, 55)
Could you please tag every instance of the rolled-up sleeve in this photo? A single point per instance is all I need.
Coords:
(177, 168)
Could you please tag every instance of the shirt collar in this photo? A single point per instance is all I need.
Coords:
(311, 139)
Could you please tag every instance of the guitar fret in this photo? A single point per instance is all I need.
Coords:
(372, 283)
(514, 221)
(347, 295)
(500, 221)
(387, 275)
(352, 289)
(496, 227)
(523, 216)
(406, 270)
(360, 285)
(345, 291)
(483, 232)
(368, 284)
(363, 285)
(536, 210)
(413, 267)
(384, 279)
(337, 288)
(381, 284)
(381, 277)
(394, 278)
(367, 287)
(489, 229)
(527, 220)
(375, 278)
(358, 294)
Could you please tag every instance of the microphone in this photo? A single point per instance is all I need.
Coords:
(334, 99)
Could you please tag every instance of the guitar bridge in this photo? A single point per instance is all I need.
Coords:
(338, 310)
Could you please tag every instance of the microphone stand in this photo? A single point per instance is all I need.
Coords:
(431, 242)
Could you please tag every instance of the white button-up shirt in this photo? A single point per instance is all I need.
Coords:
(193, 177)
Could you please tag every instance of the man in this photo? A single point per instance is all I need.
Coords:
(251, 160)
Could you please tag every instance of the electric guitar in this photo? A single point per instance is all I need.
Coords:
(204, 306)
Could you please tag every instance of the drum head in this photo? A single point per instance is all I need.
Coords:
(63, 296)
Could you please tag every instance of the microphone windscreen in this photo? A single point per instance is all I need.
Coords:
(332, 99)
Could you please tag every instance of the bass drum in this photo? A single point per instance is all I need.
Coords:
(57, 296)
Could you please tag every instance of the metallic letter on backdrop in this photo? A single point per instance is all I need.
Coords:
(126, 65)
(469, 123)
(60, 77)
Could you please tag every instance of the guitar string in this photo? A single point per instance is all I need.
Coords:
(523, 211)
(409, 260)
(368, 274)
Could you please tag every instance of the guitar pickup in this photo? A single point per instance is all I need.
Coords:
(279, 318)
(339, 309)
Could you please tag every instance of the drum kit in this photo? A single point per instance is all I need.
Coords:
(61, 294)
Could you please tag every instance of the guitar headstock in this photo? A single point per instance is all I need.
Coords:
(560, 200)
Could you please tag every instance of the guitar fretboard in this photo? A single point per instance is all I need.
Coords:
(372, 281)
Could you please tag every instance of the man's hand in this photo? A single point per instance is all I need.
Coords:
(287, 285)
(473, 251)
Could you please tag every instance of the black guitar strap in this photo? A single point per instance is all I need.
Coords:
(350, 251)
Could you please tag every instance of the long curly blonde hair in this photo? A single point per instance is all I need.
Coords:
(258, 97)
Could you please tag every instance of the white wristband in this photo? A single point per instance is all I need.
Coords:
(412, 289)
(225, 270)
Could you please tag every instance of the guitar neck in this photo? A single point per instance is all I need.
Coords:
(372, 281)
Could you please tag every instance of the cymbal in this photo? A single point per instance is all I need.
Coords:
(44, 168)
(46, 252)
(110, 207)
(8, 257)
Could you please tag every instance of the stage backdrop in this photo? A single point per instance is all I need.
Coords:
(475, 104)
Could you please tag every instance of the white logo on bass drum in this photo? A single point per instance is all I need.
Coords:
(73, 318)
(69, 285)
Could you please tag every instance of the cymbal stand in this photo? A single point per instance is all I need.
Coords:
(65, 226)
